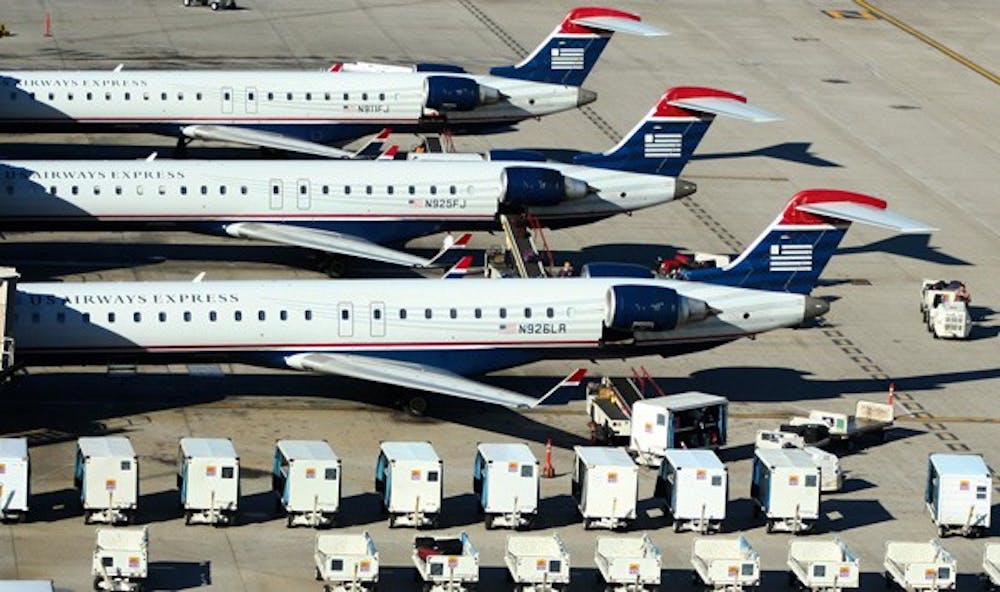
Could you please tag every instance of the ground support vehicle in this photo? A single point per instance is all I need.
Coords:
(958, 493)
(945, 307)
(15, 482)
(106, 475)
(446, 563)
(628, 564)
(694, 487)
(728, 564)
(991, 566)
(121, 559)
(605, 486)
(537, 563)
(505, 479)
(915, 566)
(823, 566)
(346, 562)
(408, 479)
(305, 478)
(208, 477)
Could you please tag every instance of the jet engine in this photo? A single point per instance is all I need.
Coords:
(452, 93)
(538, 186)
(650, 308)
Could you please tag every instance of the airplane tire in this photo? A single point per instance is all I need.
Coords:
(215, 5)
(416, 406)
(188, 2)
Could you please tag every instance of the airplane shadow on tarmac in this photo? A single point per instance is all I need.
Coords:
(914, 246)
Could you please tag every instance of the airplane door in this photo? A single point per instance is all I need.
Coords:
(251, 99)
(277, 200)
(303, 195)
(377, 310)
(345, 319)
(227, 99)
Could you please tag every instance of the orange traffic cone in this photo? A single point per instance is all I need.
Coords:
(548, 471)
(892, 394)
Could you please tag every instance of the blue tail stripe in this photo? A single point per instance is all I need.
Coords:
(783, 261)
(655, 148)
(562, 60)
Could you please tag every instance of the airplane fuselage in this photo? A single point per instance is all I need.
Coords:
(322, 107)
(468, 327)
(383, 201)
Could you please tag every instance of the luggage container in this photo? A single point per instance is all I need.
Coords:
(606, 486)
(26, 586)
(305, 477)
(505, 480)
(121, 559)
(686, 420)
(628, 564)
(823, 566)
(446, 563)
(958, 493)
(208, 477)
(15, 479)
(346, 562)
(771, 439)
(106, 476)
(919, 566)
(409, 479)
(831, 478)
(991, 566)
(537, 563)
(785, 489)
(725, 564)
(694, 486)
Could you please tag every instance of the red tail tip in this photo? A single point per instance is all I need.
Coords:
(569, 27)
(793, 215)
(677, 93)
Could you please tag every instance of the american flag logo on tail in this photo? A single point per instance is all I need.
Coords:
(567, 58)
(791, 258)
(661, 145)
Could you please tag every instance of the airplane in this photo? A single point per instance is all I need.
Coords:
(302, 112)
(354, 207)
(433, 336)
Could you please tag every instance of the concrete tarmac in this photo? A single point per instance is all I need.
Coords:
(868, 106)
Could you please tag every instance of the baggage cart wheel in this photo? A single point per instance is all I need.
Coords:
(97, 583)
(215, 5)
(289, 519)
(677, 525)
(187, 518)
(488, 521)
(942, 531)
(769, 527)
(586, 523)
(319, 577)
(187, 2)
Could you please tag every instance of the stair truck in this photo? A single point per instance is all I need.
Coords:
(958, 494)
(106, 476)
(409, 480)
(346, 562)
(823, 566)
(694, 487)
(537, 563)
(505, 479)
(305, 478)
(605, 486)
(446, 563)
(208, 478)
(628, 564)
(15, 479)
(785, 489)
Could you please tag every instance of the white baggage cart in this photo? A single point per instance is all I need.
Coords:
(945, 307)
(785, 489)
(409, 479)
(26, 586)
(771, 439)
(538, 563)
(685, 420)
(505, 479)
(305, 477)
(831, 478)
(870, 418)
(208, 476)
(121, 559)
(991, 566)
(346, 562)
(15, 486)
(823, 566)
(106, 476)
(605, 486)
(446, 563)
(919, 566)
(628, 564)
(958, 493)
(725, 564)
(694, 486)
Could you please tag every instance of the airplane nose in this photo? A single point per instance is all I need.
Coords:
(585, 97)
(684, 188)
(815, 307)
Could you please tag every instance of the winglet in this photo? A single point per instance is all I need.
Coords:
(336, 67)
(449, 243)
(389, 153)
(458, 270)
(574, 379)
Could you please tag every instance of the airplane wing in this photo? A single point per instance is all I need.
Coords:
(420, 377)
(323, 240)
(249, 137)
(866, 214)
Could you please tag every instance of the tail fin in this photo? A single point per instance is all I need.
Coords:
(571, 50)
(663, 142)
(792, 252)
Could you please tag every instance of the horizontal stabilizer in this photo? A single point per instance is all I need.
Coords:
(725, 106)
(866, 214)
(617, 24)
(251, 137)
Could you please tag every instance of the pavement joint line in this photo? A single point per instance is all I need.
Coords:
(930, 41)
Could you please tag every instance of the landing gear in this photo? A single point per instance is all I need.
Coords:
(331, 265)
(180, 150)
(416, 406)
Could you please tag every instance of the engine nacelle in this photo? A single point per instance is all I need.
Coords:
(539, 186)
(453, 93)
(650, 308)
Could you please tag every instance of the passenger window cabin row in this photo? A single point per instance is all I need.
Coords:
(226, 96)
(222, 190)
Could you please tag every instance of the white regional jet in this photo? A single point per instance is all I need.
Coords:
(354, 207)
(432, 335)
(304, 111)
